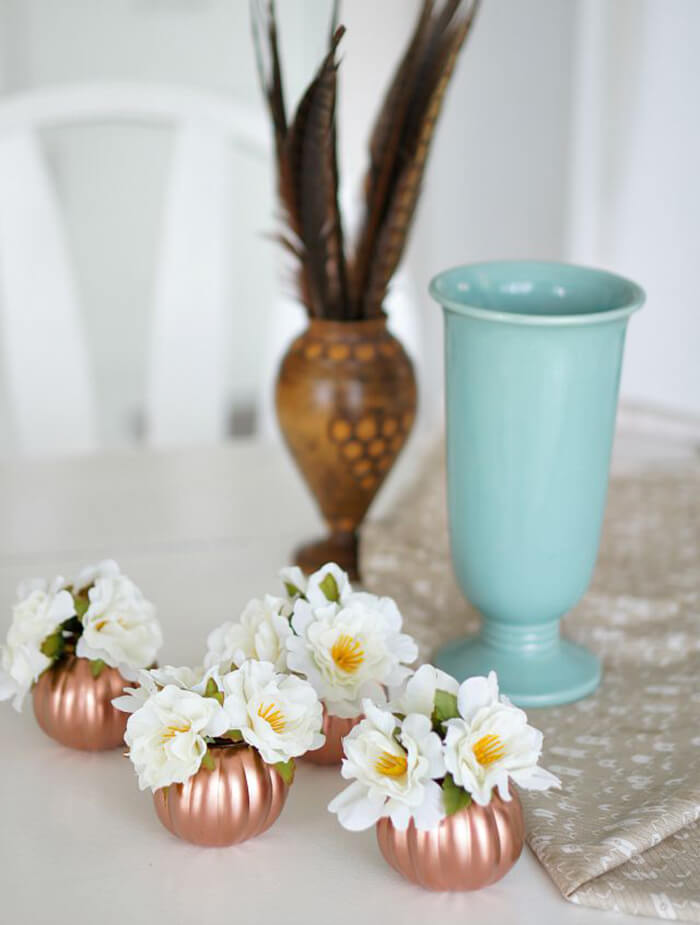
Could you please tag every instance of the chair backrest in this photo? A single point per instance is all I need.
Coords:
(47, 367)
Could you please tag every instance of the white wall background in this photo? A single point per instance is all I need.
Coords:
(570, 131)
(635, 179)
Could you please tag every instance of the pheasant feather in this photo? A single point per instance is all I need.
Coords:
(332, 285)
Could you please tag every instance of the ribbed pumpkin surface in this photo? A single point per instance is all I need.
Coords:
(239, 799)
(335, 728)
(76, 709)
(467, 851)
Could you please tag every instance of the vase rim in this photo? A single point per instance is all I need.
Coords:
(566, 294)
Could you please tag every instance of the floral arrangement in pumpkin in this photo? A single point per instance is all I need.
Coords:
(435, 748)
(348, 644)
(179, 714)
(100, 615)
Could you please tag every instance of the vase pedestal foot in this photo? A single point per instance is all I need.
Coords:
(531, 674)
(338, 547)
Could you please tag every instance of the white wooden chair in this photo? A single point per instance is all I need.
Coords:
(46, 366)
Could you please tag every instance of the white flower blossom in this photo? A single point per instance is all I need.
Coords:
(25, 588)
(166, 735)
(38, 614)
(394, 765)
(149, 682)
(350, 651)
(120, 626)
(260, 633)
(87, 576)
(294, 581)
(329, 584)
(279, 715)
(417, 694)
(491, 742)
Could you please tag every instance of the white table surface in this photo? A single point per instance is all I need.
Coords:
(201, 531)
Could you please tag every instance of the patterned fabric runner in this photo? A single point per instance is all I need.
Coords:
(624, 832)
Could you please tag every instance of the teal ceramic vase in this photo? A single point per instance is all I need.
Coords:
(533, 353)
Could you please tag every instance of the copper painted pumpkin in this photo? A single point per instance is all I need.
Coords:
(75, 708)
(335, 728)
(469, 850)
(239, 799)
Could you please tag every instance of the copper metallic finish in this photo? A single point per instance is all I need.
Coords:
(335, 728)
(76, 709)
(346, 400)
(239, 799)
(469, 850)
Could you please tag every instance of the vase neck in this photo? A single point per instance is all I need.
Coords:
(347, 330)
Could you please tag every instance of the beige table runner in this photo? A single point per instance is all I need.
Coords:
(624, 832)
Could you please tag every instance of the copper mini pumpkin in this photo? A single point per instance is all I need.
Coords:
(468, 850)
(335, 728)
(240, 798)
(75, 708)
(346, 401)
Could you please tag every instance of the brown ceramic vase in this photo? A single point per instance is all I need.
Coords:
(239, 799)
(335, 728)
(346, 401)
(469, 850)
(75, 709)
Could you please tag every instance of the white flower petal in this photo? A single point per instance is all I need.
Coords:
(165, 736)
(348, 652)
(120, 626)
(259, 633)
(382, 720)
(278, 714)
(356, 808)
(418, 693)
(431, 811)
(476, 693)
(87, 576)
(315, 594)
(535, 779)
(34, 618)
(294, 580)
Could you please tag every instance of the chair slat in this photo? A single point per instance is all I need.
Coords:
(46, 369)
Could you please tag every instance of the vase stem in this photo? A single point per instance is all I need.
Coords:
(337, 547)
(528, 640)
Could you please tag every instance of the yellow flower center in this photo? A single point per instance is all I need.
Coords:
(171, 731)
(391, 765)
(273, 716)
(347, 653)
(102, 623)
(488, 749)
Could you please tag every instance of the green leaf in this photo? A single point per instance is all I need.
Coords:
(292, 590)
(96, 666)
(52, 646)
(81, 604)
(454, 797)
(286, 769)
(445, 707)
(329, 586)
(233, 734)
(208, 761)
(212, 690)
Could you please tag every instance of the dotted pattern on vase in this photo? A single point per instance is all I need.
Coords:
(361, 352)
(369, 444)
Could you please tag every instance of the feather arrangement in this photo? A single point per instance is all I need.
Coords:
(334, 281)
